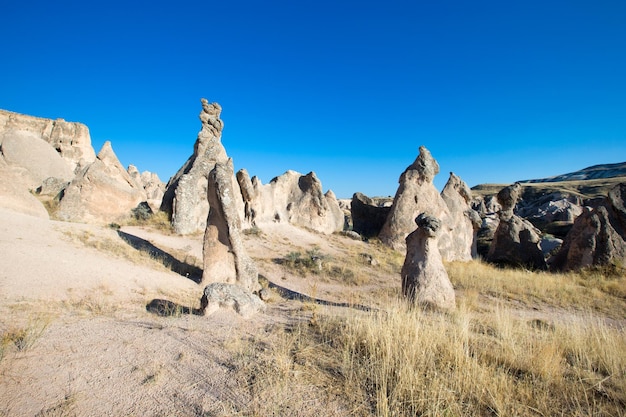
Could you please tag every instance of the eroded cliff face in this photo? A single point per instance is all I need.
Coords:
(70, 139)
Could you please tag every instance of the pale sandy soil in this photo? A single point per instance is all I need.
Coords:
(93, 349)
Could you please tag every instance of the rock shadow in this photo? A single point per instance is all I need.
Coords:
(166, 308)
(182, 268)
(296, 296)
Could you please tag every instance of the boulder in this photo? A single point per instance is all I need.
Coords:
(70, 140)
(461, 245)
(102, 192)
(598, 236)
(516, 241)
(220, 295)
(225, 258)
(185, 194)
(368, 217)
(425, 281)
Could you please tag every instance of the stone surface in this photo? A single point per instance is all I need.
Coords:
(516, 241)
(368, 218)
(40, 160)
(598, 236)
(230, 297)
(425, 281)
(185, 194)
(416, 194)
(250, 196)
(463, 221)
(225, 258)
(102, 192)
(298, 200)
(14, 194)
(71, 140)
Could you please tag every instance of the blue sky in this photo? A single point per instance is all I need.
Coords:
(498, 91)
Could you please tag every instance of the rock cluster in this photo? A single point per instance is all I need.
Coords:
(598, 236)
(516, 241)
(416, 194)
(425, 281)
(291, 198)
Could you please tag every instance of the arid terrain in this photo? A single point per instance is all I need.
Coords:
(99, 321)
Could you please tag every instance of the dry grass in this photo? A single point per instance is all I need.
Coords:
(485, 359)
(582, 291)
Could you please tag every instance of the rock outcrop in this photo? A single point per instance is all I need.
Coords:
(598, 236)
(298, 200)
(368, 217)
(71, 140)
(101, 192)
(14, 192)
(463, 221)
(416, 194)
(516, 241)
(185, 194)
(425, 281)
(39, 160)
(151, 183)
(225, 258)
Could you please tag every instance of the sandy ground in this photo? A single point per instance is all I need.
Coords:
(92, 348)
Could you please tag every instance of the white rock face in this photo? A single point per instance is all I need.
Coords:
(71, 140)
(37, 157)
(298, 200)
(14, 194)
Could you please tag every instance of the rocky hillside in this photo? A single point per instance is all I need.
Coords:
(603, 171)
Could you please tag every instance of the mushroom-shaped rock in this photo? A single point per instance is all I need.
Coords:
(425, 281)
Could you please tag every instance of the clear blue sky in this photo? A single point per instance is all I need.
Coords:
(498, 91)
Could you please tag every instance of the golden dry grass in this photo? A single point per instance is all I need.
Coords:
(485, 359)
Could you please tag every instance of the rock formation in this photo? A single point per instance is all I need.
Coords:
(225, 259)
(70, 140)
(250, 194)
(598, 236)
(151, 183)
(298, 200)
(463, 221)
(219, 295)
(37, 157)
(368, 218)
(185, 194)
(425, 281)
(416, 194)
(516, 241)
(14, 192)
(101, 192)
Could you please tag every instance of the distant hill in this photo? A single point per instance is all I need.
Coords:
(591, 182)
(595, 172)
